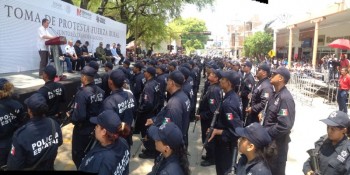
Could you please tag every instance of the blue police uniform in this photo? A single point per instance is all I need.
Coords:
(248, 85)
(11, 118)
(31, 141)
(105, 86)
(257, 166)
(109, 160)
(98, 80)
(148, 105)
(279, 120)
(162, 80)
(123, 103)
(54, 94)
(262, 92)
(88, 103)
(333, 159)
(167, 166)
(137, 85)
(228, 119)
(208, 105)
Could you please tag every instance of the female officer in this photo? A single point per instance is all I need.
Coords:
(11, 114)
(111, 154)
(169, 142)
(35, 145)
(333, 149)
(253, 146)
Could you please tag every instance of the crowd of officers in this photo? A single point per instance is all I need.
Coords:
(252, 112)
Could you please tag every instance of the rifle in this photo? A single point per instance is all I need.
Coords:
(263, 113)
(91, 143)
(211, 129)
(315, 166)
(197, 112)
(66, 117)
(234, 160)
(246, 114)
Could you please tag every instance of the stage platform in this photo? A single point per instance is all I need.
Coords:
(28, 82)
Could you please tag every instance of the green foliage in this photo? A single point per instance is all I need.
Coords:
(257, 44)
(145, 18)
(190, 31)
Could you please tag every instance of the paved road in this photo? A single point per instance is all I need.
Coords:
(306, 130)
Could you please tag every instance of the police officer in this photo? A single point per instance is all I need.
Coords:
(161, 79)
(53, 92)
(108, 69)
(227, 120)
(177, 107)
(35, 145)
(97, 77)
(137, 83)
(169, 142)
(343, 92)
(279, 118)
(12, 115)
(88, 103)
(332, 150)
(149, 102)
(172, 66)
(248, 85)
(111, 153)
(208, 104)
(262, 92)
(120, 101)
(126, 65)
(252, 143)
(188, 84)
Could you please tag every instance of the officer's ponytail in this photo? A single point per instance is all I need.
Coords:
(6, 90)
(40, 111)
(181, 152)
(123, 131)
(267, 153)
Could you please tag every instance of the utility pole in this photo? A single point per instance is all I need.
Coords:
(136, 25)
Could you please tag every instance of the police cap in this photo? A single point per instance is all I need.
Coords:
(168, 133)
(88, 71)
(118, 77)
(177, 77)
(94, 65)
(284, 72)
(337, 118)
(50, 71)
(248, 64)
(173, 63)
(127, 62)
(264, 67)
(109, 65)
(138, 65)
(151, 70)
(232, 76)
(161, 67)
(108, 119)
(35, 102)
(185, 71)
(255, 133)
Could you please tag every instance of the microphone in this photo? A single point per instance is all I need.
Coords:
(54, 31)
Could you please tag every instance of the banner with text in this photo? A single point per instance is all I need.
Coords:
(20, 20)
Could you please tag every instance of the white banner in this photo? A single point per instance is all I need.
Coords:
(20, 20)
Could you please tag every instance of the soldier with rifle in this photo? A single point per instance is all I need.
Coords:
(253, 144)
(208, 104)
(228, 119)
(332, 151)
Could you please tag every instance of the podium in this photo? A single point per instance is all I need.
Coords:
(54, 46)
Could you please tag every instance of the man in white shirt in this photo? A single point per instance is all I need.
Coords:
(70, 52)
(114, 53)
(44, 35)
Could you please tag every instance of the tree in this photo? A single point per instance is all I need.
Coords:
(191, 31)
(257, 44)
(145, 19)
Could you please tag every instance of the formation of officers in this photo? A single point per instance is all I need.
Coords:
(239, 111)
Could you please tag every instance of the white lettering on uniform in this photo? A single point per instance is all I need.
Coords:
(46, 142)
(7, 118)
(121, 166)
(127, 104)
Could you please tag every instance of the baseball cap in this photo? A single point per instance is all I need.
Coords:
(161, 67)
(255, 133)
(168, 133)
(264, 67)
(284, 72)
(185, 71)
(217, 72)
(232, 76)
(94, 65)
(127, 62)
(177, 77)
(35, 101)
(89, 71)
(248, 64)
(118, 77)
(3, 81)
(173, 63)
(138, 65)
(151, 70)
(337, 118)
(108, 119)
(109, 65)
(50, 71)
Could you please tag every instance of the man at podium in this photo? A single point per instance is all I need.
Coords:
(43, 35)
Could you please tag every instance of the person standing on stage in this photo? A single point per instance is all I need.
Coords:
(343, 91)
(228, 119)
(88, 103)
(15, 116)
(261, 94)
(279, 118)
(43, 49)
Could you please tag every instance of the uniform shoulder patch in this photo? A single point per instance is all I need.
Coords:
(211, 101)
(283, 112)
(13, 150)
(229, 116)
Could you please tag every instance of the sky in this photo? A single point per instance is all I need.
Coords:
(225, 12)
